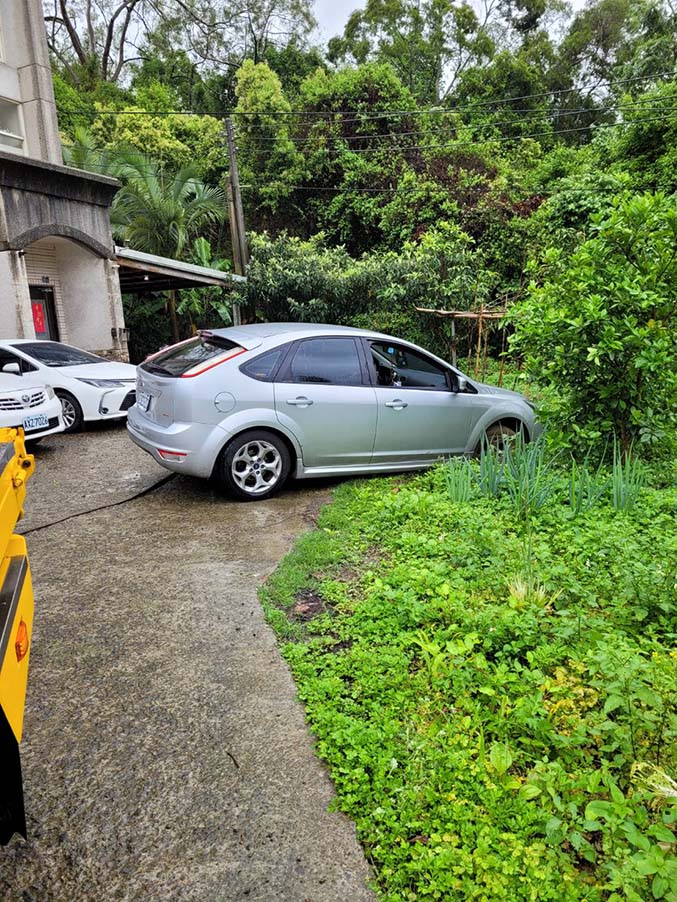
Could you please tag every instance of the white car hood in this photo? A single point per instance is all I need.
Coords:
(11, 383)
(108, 370)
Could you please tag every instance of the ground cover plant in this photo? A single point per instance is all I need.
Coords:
(489, 668)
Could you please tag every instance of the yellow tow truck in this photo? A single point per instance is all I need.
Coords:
(16, 624)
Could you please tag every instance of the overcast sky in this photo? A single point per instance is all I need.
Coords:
(332, 15)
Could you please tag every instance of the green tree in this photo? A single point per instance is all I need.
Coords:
(270, 160)
(602, 331)
(84, 152)
(101, 40)
(428, 43)
(163, 213)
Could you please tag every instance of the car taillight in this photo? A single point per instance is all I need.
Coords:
(165, 454)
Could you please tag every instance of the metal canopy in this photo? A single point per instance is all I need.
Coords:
(141, 273)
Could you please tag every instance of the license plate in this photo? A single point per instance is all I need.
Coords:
(39, 421)
(143, 401)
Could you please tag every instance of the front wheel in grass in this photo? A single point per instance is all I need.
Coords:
(254, 465)
(498, 437)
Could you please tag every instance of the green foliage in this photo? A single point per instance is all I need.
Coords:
(528, 475)
(271, 161)
(628, 477)
(586, 486)
(419, 40)
(647, 143)
(602, 331)
(172, 141)
(209, 307)
(293, 63)
(459, 480)
(499, 715)
(291, 279)
(71, 106)
(162, 213)
(148, 322)
(489, 474)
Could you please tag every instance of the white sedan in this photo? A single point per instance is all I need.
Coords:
(26, 403)
(89, 387)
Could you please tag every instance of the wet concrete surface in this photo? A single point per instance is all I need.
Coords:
(165, 754)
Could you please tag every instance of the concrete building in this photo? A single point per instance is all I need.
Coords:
(58, 269)
(60, 273)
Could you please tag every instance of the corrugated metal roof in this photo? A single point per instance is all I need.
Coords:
(175, 271)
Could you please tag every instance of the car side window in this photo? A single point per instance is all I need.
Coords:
(402, 367)
(263, 366)
(326, 361)
(8, 357)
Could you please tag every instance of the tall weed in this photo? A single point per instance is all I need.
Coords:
(458, 477)
(489, 476)
(530, 478)
(628, 478)
(585, 486)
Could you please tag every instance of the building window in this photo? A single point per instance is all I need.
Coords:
(11, 128)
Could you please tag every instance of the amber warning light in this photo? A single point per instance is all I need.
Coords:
(21, 644)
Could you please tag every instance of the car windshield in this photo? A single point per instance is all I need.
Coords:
(53, 353)
(179, 359)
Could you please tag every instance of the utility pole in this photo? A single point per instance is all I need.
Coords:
(236, 215)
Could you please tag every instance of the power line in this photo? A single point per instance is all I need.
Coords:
(367, 115)
(388, 148)
(435, 147)
(360, 116)
(621, 108)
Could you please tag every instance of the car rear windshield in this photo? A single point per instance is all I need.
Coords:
(198, 352)
(53, 353)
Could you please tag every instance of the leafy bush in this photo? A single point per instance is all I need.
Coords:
(497, 704)
(603, 332)
(294, 280)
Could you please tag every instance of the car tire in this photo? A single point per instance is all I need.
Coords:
(254, 465)
(497, 436)
(72, 412)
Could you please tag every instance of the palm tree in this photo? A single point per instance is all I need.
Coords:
(84, 152)
(163, 213)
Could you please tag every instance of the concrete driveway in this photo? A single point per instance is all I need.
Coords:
(165, 754)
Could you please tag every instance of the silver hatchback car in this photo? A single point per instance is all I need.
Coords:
(252, 404)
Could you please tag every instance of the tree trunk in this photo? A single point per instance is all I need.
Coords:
(171, 304)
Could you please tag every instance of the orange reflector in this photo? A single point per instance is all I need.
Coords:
(21, 644)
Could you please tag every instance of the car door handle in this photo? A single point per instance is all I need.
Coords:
(299, 402)
(397, 404)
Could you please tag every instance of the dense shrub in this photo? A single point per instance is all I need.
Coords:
(602, 330)
(294, 280)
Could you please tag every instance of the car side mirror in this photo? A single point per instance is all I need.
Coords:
(461, 383)
(12, 368)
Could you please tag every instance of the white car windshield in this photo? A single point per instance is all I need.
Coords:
(53, 353)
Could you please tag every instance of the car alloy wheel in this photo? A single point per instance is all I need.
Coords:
(255, 464)
(71, 412)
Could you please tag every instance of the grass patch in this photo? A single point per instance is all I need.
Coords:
(495, 689)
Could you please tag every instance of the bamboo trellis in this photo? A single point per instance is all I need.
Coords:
(481, 316)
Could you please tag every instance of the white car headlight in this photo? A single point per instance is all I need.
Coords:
(49, 391)
(102, 383)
